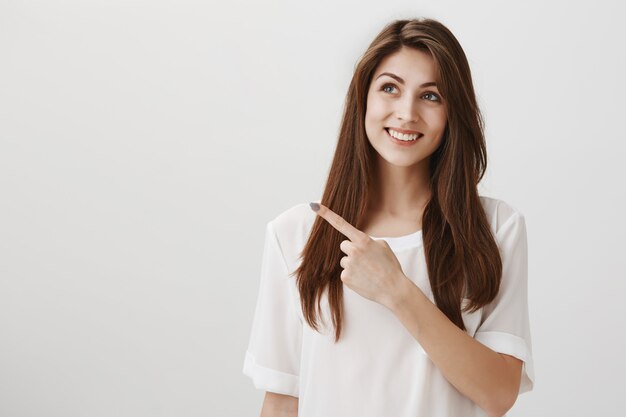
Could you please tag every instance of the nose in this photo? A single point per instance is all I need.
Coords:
(407, 110)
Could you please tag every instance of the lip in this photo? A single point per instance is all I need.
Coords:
(408, 132)
(403, 142)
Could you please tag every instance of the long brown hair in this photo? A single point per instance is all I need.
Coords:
(461, 253)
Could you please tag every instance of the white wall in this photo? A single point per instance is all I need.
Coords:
(145, 144)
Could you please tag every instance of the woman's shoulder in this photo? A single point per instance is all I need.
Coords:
(293, 224)
(296, 217)
(499, 212)
(292, 227)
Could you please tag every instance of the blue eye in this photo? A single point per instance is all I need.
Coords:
(433, 94)
(427, 93)
(387, 85)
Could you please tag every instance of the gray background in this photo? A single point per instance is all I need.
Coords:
(144, 145)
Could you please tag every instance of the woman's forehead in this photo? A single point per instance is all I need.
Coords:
(408, 66)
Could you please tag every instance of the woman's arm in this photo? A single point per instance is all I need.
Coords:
(279, 405)
(488, 378)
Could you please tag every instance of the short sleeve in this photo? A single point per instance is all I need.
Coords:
(505, 326)
(272, 358)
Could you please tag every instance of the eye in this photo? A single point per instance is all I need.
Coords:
(433, 94)
(387, 85)
(429, 93)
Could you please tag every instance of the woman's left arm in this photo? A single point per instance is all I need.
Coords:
(488, 378)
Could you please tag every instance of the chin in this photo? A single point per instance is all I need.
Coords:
(405, 162)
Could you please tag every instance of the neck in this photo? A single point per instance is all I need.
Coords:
(400, 191)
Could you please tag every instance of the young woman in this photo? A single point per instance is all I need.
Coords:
(403, 293)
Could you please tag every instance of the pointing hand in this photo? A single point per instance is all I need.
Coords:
(370, 268)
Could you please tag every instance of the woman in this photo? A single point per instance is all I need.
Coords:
(424, 281)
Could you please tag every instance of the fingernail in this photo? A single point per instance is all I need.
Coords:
(314, 206)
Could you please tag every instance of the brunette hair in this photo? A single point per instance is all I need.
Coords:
(462, 256)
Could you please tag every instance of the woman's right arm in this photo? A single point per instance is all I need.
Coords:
(279, 405)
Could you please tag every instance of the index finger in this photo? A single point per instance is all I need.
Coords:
(338, 222)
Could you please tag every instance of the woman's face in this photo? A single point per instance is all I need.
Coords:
(401, 101)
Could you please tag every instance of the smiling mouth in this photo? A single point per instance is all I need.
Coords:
(419, 135)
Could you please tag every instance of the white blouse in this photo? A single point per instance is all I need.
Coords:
(377, 369)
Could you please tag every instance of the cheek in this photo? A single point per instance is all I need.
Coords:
(441, 116)
(375, 107)
(375, 114)
(436, 119)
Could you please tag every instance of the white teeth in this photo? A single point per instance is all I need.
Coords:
(402, 136)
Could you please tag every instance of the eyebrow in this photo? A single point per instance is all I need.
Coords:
(401, 81)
